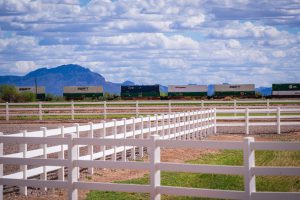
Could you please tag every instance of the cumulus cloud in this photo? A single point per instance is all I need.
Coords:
(151, 41)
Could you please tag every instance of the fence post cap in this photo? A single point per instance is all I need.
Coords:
(154, 137)
(249, 139)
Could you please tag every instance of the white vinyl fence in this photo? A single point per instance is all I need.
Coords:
(174, 126)
(248, 170)
(258, 117)
(71, 110)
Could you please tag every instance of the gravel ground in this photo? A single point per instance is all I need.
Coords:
(109, 175)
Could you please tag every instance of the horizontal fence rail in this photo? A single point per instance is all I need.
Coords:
(72, 110)
(153, 143)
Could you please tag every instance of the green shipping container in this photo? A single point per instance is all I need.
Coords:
(238, 93)
(82, 95)
(137, 91)
(187, 94)
(286, 87)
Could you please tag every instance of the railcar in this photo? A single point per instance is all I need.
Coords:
(286, 90)
(234, 90)
(142, 92)
(81, 92)
(39, 91)
(187, 91)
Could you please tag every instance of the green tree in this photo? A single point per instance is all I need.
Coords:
(8, 93)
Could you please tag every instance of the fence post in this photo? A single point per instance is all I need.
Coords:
(91, 147)
(169, 126)
(77, 146)
(61, 155)
(154, 173)
(149, 126)
(137, 108)
(249, 162)
(40, 111)
(72, 170)
(215, 121)
(103, 136)
(43, 176)
(105, 110)
(114, 156)
(7, 111)
(23, 149)
(133, 136)
(184, 126)
(124, 153)
(141, 149)
(163, 125)
(1, 167)
(193, 125)
(234, 104)
(156, 124)
(247, 120)
(268, 106)
(149, 130)
(278, 121)
(169, 105)
(72, 109)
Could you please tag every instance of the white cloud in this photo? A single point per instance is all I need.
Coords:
(22, 67)
(151, 41)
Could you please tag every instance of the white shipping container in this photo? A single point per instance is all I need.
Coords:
(40, 90)
(234, 87)
(187, 88)
(295, 92)
(83, 89)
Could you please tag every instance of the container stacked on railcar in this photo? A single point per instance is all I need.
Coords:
(187, 91)
(39, 91)
(81, 92)
(286, 90)
(237, 90)
(141, 92)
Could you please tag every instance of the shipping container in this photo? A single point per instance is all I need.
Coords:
(141, 91)
(286, 89)
(81, 92)
(187, 90)
(223, 90)
(39, 91)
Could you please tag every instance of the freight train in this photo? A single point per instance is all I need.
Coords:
(285, 90)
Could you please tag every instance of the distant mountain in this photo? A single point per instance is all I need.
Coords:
(54, 79)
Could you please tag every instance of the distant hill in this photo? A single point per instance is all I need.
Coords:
(54, 79)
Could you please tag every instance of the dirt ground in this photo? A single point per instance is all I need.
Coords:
(167, 155)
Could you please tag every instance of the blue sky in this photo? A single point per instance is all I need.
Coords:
(155, 41)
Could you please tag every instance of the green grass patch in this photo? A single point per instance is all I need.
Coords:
(216, 181)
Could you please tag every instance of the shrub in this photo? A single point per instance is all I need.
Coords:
(9, 93)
